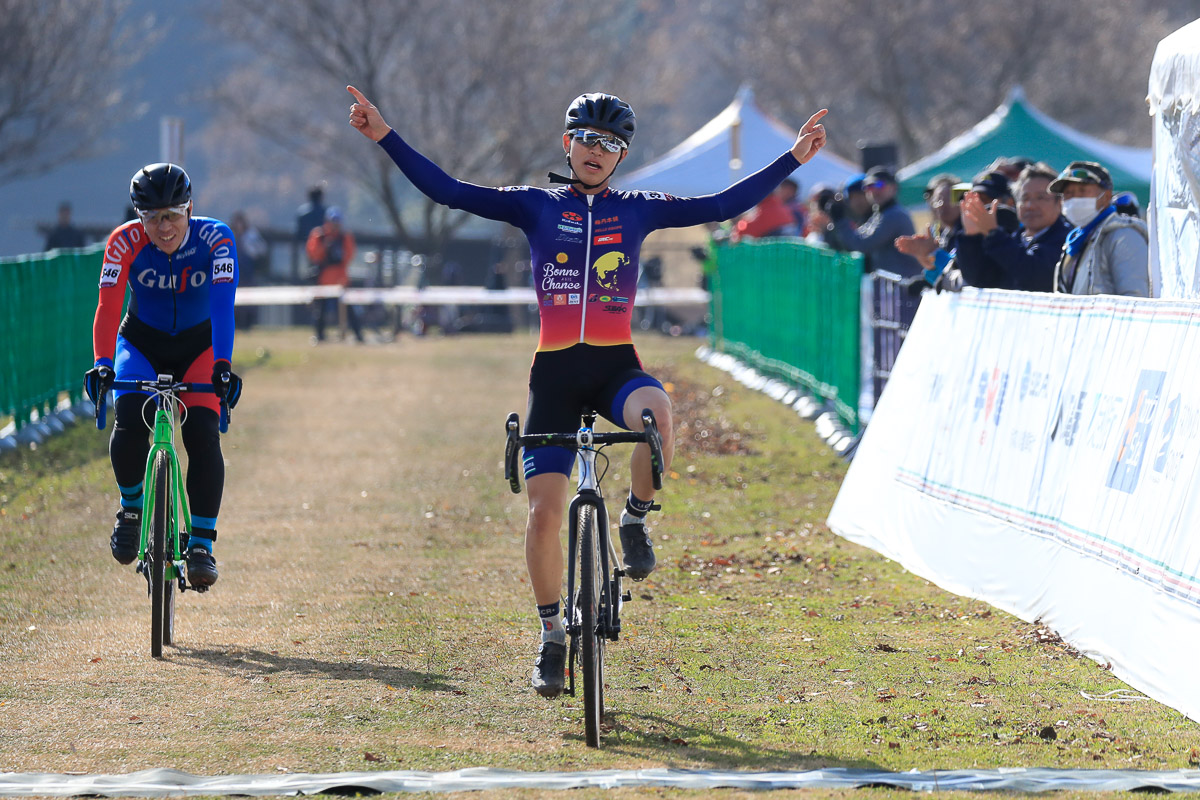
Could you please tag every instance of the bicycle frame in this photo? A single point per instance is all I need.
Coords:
(167, 403)
(589, 493)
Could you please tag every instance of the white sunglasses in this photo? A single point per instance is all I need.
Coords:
(156, 216)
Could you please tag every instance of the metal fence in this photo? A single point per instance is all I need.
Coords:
(47, 304)
(791, 310)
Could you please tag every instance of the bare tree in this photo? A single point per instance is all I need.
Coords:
(480, 87)
(61, 67)
(922, 71)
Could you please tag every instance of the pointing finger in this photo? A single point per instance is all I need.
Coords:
(813, 120)
(358, 96)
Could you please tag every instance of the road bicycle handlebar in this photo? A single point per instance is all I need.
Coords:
(573, 441)
(163, 384)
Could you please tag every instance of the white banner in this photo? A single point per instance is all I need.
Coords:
(441, 295)
(1040, 452)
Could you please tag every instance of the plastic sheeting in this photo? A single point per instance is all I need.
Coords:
(1174, 212)
(169, 782)
(1040, 452)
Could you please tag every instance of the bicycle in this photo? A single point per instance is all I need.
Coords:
(593, 613)
(164, 530)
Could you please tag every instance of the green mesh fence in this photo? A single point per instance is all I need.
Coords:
(791, 310)
(47, 304)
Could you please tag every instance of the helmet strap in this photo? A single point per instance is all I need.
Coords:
(556, 178)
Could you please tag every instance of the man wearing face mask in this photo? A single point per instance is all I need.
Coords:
(1107, 252)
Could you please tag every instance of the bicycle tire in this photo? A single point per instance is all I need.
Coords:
(158, 551)
(592, 650)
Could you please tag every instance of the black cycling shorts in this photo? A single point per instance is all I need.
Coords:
(563, 382)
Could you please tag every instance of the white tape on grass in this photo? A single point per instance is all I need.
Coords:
(164, 782)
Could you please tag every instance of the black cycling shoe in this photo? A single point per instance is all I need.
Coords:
(201, 568)
(126, 535)
(549, 668)
(637, 551)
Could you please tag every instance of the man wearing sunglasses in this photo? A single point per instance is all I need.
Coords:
(182, 273)
(876, 237)
(585, 239)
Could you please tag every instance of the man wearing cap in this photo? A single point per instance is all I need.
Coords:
(1107, 252)
(876, 237)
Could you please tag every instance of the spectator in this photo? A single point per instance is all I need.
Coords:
(1023, 259)
(946, 212)
(64, 233)
(789, 193)
(986, 199)
(330, 249)
(252, 249)
(877, 236)
(1107, 252)
(817, 221)
(311, 214)
(772, 216)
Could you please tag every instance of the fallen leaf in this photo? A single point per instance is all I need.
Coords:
(372, 757)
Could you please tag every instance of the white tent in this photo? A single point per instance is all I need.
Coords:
(735, 143)
(1174, 211)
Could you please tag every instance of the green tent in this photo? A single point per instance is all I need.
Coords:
(1017, 128)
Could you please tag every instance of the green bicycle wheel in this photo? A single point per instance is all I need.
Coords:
(590, 580)
(158, 553)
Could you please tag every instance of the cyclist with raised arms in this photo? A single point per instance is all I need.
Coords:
(182, 271)
(585, 239)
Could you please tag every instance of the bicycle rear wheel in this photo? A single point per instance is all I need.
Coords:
(159, 630)
(591, 578)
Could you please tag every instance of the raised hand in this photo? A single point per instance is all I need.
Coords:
(811, 138)
(366, 117)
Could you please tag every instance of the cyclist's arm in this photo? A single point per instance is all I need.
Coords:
(114, 276)
(670, 212)
(221, 295)
(514, 207)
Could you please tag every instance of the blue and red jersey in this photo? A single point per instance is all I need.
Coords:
(170, 293)
(585, 248)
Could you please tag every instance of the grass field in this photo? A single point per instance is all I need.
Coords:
(373, 612)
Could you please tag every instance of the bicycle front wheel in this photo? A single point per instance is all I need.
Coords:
(160, 519)
(591, 577)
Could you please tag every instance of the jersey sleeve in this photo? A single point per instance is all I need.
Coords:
(515, 205)
(114, 276)
(665, 211)
(224, 288)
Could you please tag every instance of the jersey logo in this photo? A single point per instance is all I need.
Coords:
(606, 267)
(222, 270)
(607, 238)
(657, 196)
(572, 216)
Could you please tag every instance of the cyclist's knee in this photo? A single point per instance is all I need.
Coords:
(200, 431)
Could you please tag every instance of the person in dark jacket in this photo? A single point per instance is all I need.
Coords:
(876, 237)
(1024, 258)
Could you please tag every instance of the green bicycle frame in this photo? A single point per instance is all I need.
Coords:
(164, 440)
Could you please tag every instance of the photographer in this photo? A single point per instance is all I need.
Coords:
(330, 248)
(876, 237)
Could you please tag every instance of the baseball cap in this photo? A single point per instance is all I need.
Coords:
(878, 175)
(1081, 172)
(994, 184)
(854, 183)
(333, 214)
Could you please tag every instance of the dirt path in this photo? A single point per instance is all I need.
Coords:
(364, 517)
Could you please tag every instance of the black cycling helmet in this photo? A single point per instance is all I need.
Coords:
(605, 112)
(159, 186)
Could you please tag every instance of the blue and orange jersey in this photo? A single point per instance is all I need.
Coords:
(170, 293)
(585, 248)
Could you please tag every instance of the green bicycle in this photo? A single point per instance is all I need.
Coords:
(165, 529)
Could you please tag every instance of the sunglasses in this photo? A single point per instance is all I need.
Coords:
(157, 216)
(613, 144)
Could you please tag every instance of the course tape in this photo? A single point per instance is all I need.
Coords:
(169, 782)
